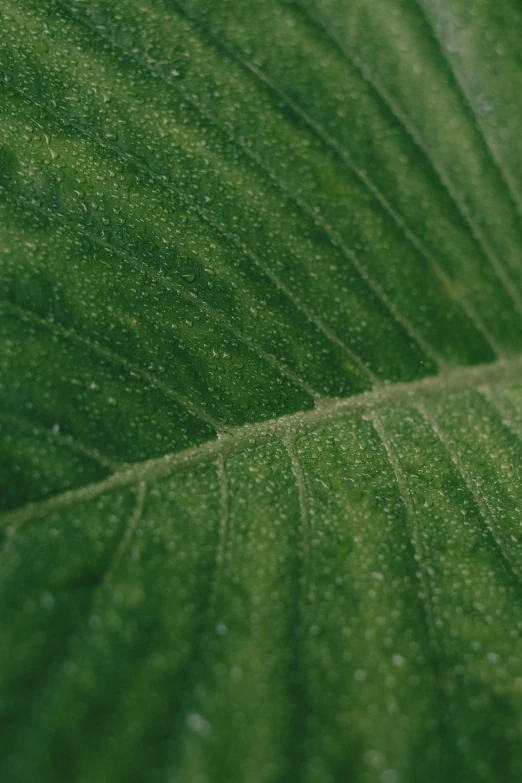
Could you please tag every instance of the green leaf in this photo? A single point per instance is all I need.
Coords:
(261, 391)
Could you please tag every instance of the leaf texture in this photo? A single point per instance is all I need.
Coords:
(261, 391)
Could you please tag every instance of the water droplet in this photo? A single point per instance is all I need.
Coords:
(198, 724)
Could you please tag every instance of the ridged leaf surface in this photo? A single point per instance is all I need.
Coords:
(261, 391)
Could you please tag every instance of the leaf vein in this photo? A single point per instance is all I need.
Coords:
(242, 436)
(205, 216)
(172, 286)
(414, 135)
(483, 505)
(335, 239)
(494, 157)
(63, 439)
(70, 334)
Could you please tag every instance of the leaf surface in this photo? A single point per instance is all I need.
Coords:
(261, 391)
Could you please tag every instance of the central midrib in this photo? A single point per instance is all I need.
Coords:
(329, 410)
